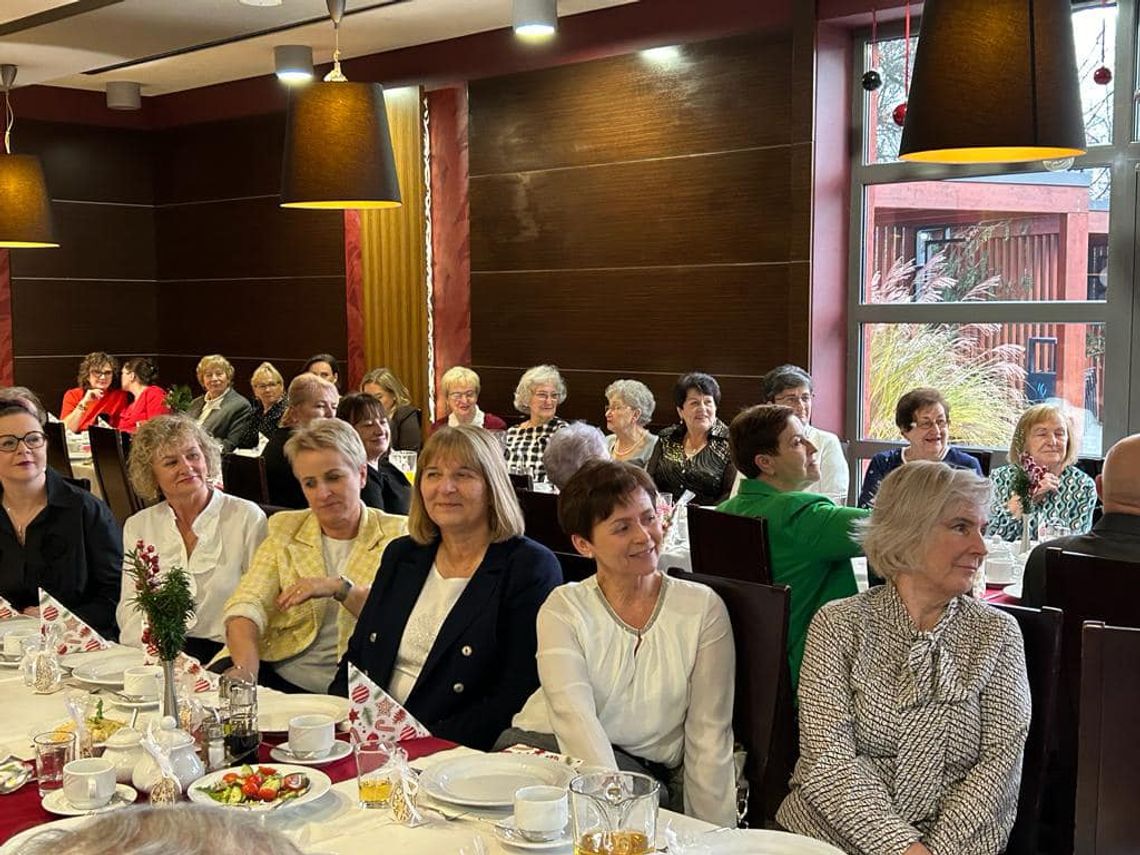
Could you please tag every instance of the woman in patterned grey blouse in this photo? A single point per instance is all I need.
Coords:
(541, 389)
(914, 702)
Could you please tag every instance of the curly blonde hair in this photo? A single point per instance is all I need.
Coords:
(161, 434)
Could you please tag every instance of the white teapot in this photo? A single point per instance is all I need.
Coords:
(183, 758)
(123, 750)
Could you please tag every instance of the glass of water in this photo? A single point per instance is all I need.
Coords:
(54, 750)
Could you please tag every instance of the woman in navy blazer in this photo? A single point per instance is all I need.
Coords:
(449, 626)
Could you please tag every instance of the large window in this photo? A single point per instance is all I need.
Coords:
(1000, 285)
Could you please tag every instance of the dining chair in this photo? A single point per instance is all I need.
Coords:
(763, 718)
(984, 458)
(1108, 786)
(244, 477)
(110, 462)
(728, 545)
(540, 514)
(57, 456)
(521, 480)
(1041, 631)
(575, 567)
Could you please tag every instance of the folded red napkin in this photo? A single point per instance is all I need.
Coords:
(74, 636)
(377, 715)
(7, 610)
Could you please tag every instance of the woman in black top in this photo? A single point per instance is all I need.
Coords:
(268, 404)
(694, 454)
(403, 418)
(53, 535)
(387, 488)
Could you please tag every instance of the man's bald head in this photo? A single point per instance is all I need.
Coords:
(1119, 483)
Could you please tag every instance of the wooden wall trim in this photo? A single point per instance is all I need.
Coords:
(354, 298)
(6, 355)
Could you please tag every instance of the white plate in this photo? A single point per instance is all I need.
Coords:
(274, 711)
(56, 802)
(19, 622)
(319, 784)
(87, 657)
(131, 705)
(282, 754)
(506, 832)
(1013, 590)
(490, 780)
(107, 670)
(749, 841)
(15, 845)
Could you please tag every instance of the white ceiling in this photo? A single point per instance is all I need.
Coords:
(57, 53)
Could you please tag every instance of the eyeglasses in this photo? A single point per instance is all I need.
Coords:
(547, 396)
(261, 387)
(613, 408)
(790, 400)
(34, 439)
(927, 424)
(106, 372)
(468, 395)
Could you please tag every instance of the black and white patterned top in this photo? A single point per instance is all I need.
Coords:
(909, 736)
(524, 447)
(709, 473)
(263, 422)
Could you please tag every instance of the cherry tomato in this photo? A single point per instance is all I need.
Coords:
(256, 779)
(267, 794)
(249, 789)
(229, 778)
(266, 771)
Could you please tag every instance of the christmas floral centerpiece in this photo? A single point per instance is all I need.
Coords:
(1026, 481)
(166, 603)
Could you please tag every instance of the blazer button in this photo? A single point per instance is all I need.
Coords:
(457, 688)
(372, 638)
(466, 650)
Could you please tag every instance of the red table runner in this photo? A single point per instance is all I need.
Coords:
(21, 810)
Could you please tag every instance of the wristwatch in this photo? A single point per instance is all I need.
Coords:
(345, 588)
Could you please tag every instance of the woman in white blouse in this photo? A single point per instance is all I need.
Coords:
(209, 534)
(914, 702)
(636, 667)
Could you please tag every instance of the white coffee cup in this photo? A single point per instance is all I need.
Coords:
(541, 813)
(14, 638)
(311, 736)
(143, 680)
(999, 570)
(89, 783)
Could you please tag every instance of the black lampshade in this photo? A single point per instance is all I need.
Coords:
(338, 151)
(995, 81)
(25, 207)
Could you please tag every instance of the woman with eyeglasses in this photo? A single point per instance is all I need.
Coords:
(923, 418)
(541, 389)
(629, 407)
(460, 389)
(53, 535)
(94, 397)
(269, 404)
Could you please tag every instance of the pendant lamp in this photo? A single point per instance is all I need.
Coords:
(995, 81)
(338, 150)
(25, 207)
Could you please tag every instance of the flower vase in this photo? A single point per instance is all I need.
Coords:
(169, 690)
(1026, 541)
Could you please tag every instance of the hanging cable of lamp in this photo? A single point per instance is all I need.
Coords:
(995, 81)
(25, 207)
(338, 149)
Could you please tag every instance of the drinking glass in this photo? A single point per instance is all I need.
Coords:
(405, 461)
(375, 762)
(54, 750)
(614, 813)
(664, 506)
(1051, 530)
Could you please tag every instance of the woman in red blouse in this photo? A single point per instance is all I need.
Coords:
(149, 401)
(93, 397)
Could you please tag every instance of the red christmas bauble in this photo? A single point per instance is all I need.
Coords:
(1103, 75)
(899, 114)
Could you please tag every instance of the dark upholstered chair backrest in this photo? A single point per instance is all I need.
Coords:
(540, 513)
(729, 545)
(763, 718)
(575, 567)
(1041, 629)
(1108, 786)
(109, 456)
(57, 456)
(244, 477)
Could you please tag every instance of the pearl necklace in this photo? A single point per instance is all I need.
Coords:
(617, 446)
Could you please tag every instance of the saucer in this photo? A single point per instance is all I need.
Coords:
(507, 833)
(133, 705)
(5, 662)
(282, 754)
(56, 802)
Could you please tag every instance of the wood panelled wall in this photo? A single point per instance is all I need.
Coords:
(641, 218)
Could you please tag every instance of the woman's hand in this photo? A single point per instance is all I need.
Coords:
(308, 588)
(1049, 483)
(31, 611)
(90, 396)
(916, 849)
(1014, 506)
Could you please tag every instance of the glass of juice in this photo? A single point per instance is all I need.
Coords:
(614, 813)
(375, 762)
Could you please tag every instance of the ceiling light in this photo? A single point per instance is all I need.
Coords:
(25, 206)
(293, 63)
(995, 81)
(124, 95)
(535, 18)
(338, 149)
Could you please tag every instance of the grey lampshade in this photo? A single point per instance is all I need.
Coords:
(25, 207)
(338, 151)
(995, 81)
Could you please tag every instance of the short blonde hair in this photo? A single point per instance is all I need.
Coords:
(1034, 416)
(213, 361)
(157, 435)
(328, 435)
(477, 449)
(390, 383)
(459, 375)
(266, 372)
(908, 506)
(539, 375)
